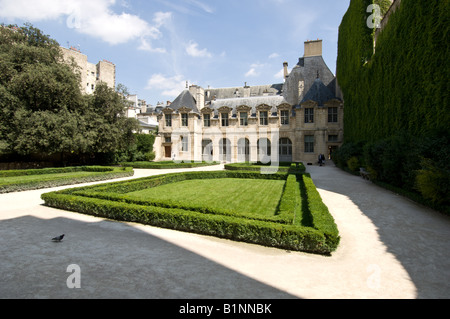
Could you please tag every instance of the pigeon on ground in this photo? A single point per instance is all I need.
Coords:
(58, 239)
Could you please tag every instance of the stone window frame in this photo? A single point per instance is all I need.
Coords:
(333, 114)
(184, 120)
(263, 109)
(184, 143)
(309, 115)
(285, 108)
(225, 111)
(309, 145)
(243, 109)
(207, 119)
(168, 117)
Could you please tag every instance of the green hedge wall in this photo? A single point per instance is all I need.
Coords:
(166, 165)
(396, 97)
(403, 86)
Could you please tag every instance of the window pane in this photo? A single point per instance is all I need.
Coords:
(224, 119)
(184, 119)
(184, 144)
(244, 119)
(309, 115)
(207, 120)
(284, 117)
(263, 118)
(332, 115)
(168, 120)
(309, 144)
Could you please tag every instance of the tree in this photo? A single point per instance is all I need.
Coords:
(42, 109)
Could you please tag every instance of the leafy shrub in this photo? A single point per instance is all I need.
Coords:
(434, 182)
(353, 164)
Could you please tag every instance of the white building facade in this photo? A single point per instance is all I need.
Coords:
(294, 121)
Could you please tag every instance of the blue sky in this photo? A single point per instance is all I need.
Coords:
(158, 45)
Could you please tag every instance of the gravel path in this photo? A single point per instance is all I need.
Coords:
(391, 248)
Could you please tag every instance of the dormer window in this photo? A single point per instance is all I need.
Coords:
(243, 117)
(264, 118)
(225, 119)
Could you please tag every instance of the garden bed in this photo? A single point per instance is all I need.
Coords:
(23, 180)
(295, 218)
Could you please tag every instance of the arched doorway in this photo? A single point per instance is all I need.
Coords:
(207, 150)
(285, 153)
(225, 150)
(243, 150)
(264, 150)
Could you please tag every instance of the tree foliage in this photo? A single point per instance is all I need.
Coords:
(42, 109)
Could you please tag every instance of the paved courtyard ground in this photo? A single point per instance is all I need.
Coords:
(391, 248)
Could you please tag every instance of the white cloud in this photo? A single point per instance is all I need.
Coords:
(254, 70)
(147, 46)
(169, 86)
(193, 50)
(94, 18)
(274, 55)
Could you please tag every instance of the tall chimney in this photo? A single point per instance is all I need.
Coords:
(286, 72)
(313, 48)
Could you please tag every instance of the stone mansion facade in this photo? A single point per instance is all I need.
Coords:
(294, 121)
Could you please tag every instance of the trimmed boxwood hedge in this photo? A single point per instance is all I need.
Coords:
(51, 179)
(267, 168)
(111, 201)
(166, 165)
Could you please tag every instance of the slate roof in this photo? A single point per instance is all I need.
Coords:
(252, 102)
(185, 99)
(237, 92)
(319, 93)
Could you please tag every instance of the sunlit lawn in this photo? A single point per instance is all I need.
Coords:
(247, 195)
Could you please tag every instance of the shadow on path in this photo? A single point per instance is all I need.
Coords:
(116, 261)
(418, 237)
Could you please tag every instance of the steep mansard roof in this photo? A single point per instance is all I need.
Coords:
(185, 99)
(318, 93)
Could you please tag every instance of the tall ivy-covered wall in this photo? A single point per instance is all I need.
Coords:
(404, 85)
(397, 117)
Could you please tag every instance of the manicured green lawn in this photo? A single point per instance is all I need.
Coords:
(241, 195)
